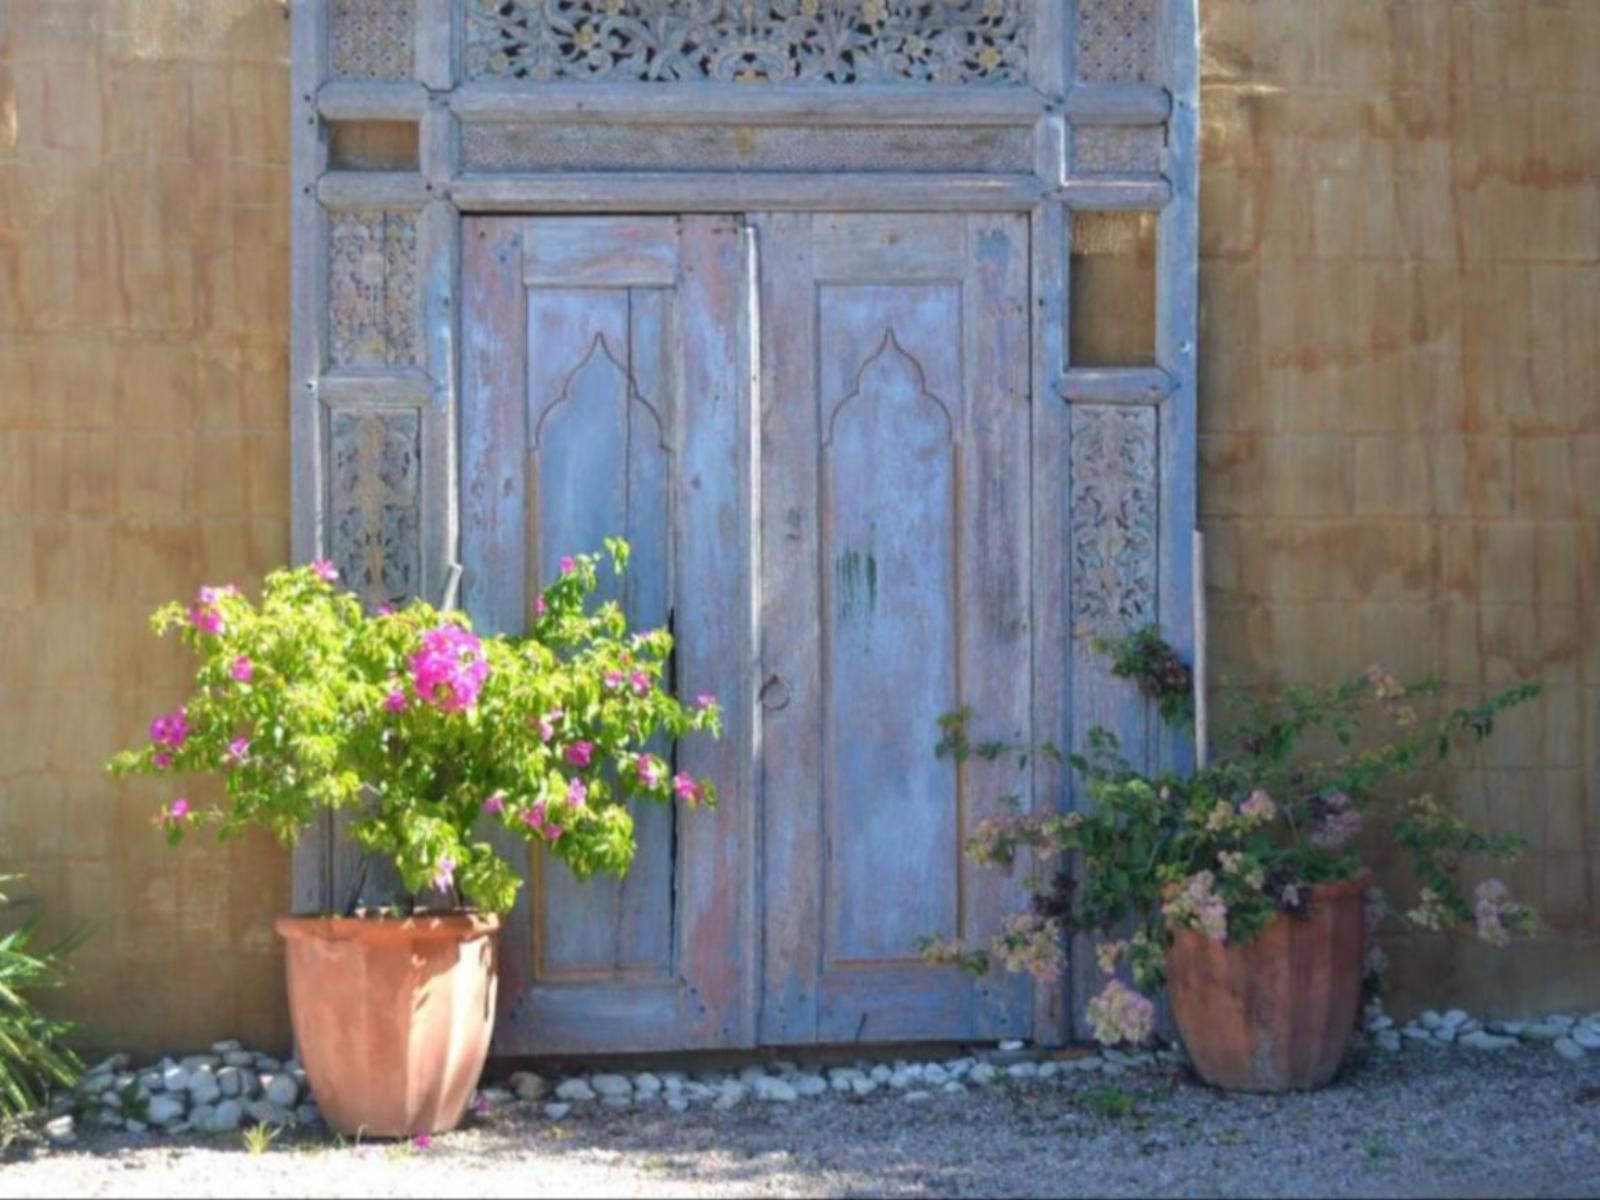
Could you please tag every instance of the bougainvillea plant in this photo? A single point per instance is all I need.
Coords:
(428, 733)
(1232, 846)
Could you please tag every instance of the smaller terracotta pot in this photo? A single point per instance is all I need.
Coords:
(1276, 1013)
(392, 1016)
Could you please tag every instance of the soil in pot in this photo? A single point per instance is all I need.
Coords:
(1275, 1013)
(392, 1016)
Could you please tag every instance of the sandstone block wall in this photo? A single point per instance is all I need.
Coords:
(1399, 458)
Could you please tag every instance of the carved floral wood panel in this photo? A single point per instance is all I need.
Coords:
(372, 39)
(375, 515)
(372, 289)
(809, 41)
(1117, 40)
(1115, 531)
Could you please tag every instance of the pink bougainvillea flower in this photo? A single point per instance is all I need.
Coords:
(161, 760)
(207, 618)
(179, 809)
(444, 874)
(579, 753)
(540, 607)
(450, 668)
(705, 700)
(568, 566)
(421, 1142)
(639, 682)
(395, 701)
(685, 788)
(547, 724)
(495, 804)
(242, 669)
(171, 729)
(536, 819)
(238, 749)
(650, 771)
(386, 610)
(577, 793)
(613, 679)
(325, 570)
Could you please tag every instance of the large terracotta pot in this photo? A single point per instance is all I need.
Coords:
(1276, 1013)
(392, 1016)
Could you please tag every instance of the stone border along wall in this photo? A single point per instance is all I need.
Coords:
(230, 1086)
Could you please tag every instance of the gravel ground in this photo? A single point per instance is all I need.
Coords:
(1429, 1122)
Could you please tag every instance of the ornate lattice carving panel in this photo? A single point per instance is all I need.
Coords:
(372, 289)
(819, 41)
(1114, 518)
(584, 147)
(372, 39)
(375, 514)
(1117, 148)
(1117, 40)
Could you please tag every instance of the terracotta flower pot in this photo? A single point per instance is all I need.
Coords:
(1276, 1013)
(392, 1016)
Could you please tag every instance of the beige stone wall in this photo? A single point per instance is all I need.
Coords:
(143, 450)
(1399, 457)
(1400, 451)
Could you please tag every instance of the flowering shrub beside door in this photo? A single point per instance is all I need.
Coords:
(424, 729)
(1230, 848)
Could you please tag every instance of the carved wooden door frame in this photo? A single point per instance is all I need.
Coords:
(1043, 107)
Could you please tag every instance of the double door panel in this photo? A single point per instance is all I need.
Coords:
(814, 430)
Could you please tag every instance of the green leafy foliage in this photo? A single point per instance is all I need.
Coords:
(33, 1056)
(427, 733)
(1146, 658)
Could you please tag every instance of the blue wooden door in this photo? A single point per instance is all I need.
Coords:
(815, 430)
(605, 392)
(896, 582)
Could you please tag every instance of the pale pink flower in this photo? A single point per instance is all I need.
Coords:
(685, 788)
(238, 749)
(1120, 1014)
(540, 607)
(640, 682)
(444, 874)
(1197, 906)
(568, 565)
(577, 793)
(1496, 914)
(613, 680)
(650, 771)
(1258, 807)
(242, 669)
(1031, 943)
(325, 570)
(179, 809)
(495, 804)
(705, 700)
(547, 724)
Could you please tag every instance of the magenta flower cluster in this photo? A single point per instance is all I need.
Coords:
(449, 670)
